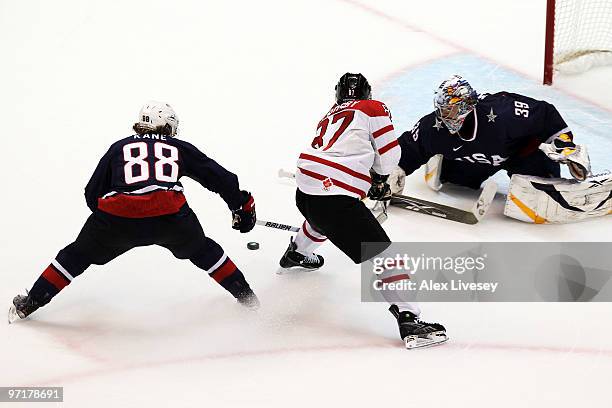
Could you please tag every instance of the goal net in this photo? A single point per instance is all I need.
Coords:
(578, 36)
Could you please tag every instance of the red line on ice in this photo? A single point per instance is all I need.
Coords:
(384, 343)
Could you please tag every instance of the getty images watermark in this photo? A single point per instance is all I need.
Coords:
(494, 272)
(394, 273)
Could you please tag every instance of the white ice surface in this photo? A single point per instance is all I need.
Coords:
(249, 81)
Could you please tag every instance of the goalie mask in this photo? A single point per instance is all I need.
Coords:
(352, 87)
(453, 101)
(158, 117)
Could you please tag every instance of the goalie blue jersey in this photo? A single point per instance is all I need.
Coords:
(504, 126)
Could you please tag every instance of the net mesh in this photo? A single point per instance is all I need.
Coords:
(583, 34)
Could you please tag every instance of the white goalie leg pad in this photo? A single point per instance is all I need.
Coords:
(433, 169)
(558, 201)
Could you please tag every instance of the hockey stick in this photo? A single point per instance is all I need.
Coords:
(282, 173)
(382, 217)
(472, 216)
(277, 225)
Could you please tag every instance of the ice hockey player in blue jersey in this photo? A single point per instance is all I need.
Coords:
(470, 137)
(136, 200)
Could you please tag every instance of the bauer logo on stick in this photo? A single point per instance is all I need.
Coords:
(279, 226)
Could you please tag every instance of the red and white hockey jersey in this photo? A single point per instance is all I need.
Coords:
(352, 138)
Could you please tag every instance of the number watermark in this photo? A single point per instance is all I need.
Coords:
(31, 394)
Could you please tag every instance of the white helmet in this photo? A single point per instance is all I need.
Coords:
(155, 115)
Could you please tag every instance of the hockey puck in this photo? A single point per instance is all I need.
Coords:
(253, 245)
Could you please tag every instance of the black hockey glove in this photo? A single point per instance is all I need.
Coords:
(380, 190)
(243, 219)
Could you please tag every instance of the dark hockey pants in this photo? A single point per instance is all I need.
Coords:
(346, 222)
(104, 237)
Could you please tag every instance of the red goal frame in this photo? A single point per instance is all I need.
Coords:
(549, 45)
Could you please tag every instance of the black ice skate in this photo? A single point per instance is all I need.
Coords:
(417, 333)
(248, 299)
(22, 307)
(293, 259)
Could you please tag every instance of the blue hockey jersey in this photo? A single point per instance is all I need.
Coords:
(503, 126)
(139, 176)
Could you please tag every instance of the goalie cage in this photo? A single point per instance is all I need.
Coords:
(578, 36)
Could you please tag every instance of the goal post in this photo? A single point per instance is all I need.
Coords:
(578, 36)
(549, 45)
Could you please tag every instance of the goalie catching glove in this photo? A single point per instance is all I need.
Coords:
(563, 150)
(244, 218)
(380, 190)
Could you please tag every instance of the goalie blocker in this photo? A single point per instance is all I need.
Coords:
(558, 201)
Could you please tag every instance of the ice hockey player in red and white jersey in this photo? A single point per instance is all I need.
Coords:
(354, 136)
(351, 157)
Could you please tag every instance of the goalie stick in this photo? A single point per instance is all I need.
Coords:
(472, 216)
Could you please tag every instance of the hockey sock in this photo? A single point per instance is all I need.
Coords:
(394, 274)
(408, 307)
(307, 239)
(230, 277)
(50, 283)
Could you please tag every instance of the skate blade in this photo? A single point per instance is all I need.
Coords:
(432, 339)
(294, 270)
(12, 315)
